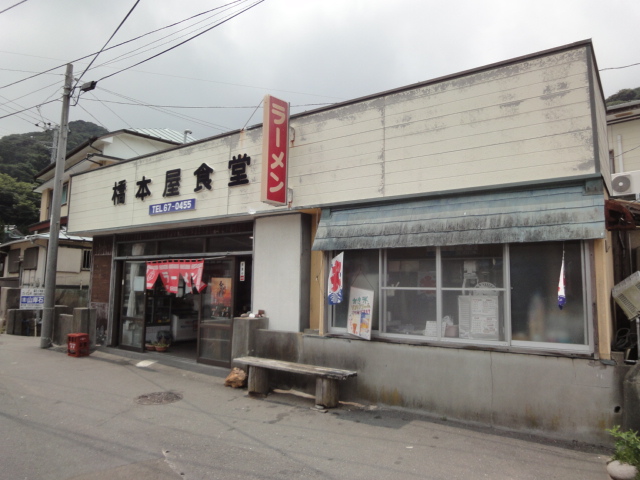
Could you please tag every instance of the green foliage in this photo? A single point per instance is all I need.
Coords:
(19, 204)
(627, 446)
(22, 156)
(623, 96)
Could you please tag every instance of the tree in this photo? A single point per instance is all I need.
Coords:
(22, 156)
(623, 96)
(18, 203)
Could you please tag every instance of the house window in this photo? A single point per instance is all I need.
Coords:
(504, 295)
(13, 261)
(86, 260)
(30, 258)
(63, 198)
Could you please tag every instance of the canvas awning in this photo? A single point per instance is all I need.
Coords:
(535, 215)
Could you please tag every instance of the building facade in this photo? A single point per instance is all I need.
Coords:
(468, 217)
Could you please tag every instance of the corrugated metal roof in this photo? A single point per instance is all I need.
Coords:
(164, 134)
(559, 213)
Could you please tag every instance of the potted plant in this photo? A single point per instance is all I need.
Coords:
(625, 461)
(150, 346)
(161, 346)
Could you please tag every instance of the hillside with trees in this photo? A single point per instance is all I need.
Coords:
(623, 96)
(22, 156)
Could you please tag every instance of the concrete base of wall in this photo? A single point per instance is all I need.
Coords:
(80, 320)
(23, 322)
(565, 398)
(243, 342)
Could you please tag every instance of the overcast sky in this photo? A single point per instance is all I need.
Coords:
(307, 52)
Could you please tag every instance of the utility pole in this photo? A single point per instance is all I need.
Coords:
(54, 223)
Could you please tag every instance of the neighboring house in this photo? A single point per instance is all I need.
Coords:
(453, 205)
(25, 258)
(623, 131)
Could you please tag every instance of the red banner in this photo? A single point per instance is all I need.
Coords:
(152, 274)
(275, 151)
(170, 272)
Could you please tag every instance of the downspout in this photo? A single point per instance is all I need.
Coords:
(619, 156)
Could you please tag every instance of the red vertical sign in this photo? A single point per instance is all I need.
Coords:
(275, 151)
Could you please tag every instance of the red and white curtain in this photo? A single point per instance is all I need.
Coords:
(170, 272)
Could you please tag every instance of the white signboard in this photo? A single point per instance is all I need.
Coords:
(31, 298)
(360, 309)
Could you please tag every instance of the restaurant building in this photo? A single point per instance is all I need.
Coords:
(461, 221)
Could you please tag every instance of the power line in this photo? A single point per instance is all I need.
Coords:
(182, 43)
(9, 8)
(107, 42)
(115, 46)
(618, 68)
(132, 53)
(35, 106)
(198, 107)
(203, 123)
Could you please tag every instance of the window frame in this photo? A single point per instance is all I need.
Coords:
(13, 260)
(86, 260)
(27, 263)
(506, 323)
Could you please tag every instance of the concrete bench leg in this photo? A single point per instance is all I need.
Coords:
(327, 392)
(258, 381)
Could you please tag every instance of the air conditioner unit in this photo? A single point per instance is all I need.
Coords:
(627, 295)
(627, 183)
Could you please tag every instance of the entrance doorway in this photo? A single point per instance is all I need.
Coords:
(198, 325)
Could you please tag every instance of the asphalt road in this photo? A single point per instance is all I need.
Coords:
(64, 418)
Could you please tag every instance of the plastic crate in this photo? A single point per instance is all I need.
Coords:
(78, 344)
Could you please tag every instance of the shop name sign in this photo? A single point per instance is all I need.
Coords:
(275, 151)
(173, 183)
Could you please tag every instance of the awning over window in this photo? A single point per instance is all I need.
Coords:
(558, 213)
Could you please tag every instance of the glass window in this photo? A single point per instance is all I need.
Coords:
(409, 293)
(136, 249)
(86, 260)
(472, 297)
(241, 242)
(30, 258)
(500, 294)
(360, 270)
(535, 272)
(181, 245)
(13, 261)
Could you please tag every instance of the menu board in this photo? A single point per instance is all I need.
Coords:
(479, 316)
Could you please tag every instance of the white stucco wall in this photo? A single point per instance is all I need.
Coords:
(520, 122)
(280, 286)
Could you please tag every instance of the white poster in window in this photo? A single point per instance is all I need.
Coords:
(484, 316)
(360, 310)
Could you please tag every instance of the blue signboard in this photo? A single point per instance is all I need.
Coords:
(171, 207)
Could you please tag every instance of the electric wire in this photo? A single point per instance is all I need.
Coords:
(30, 108)
(181, 43)
(197, 107)
(200, 122)
(9, 8)
(133, 53)
(618, 68)
(124, 122)
(106, 43)
(94, 117)
(115, 46)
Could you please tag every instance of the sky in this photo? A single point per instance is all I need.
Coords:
(307, 52)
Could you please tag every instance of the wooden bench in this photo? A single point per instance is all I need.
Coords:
(326, 378)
